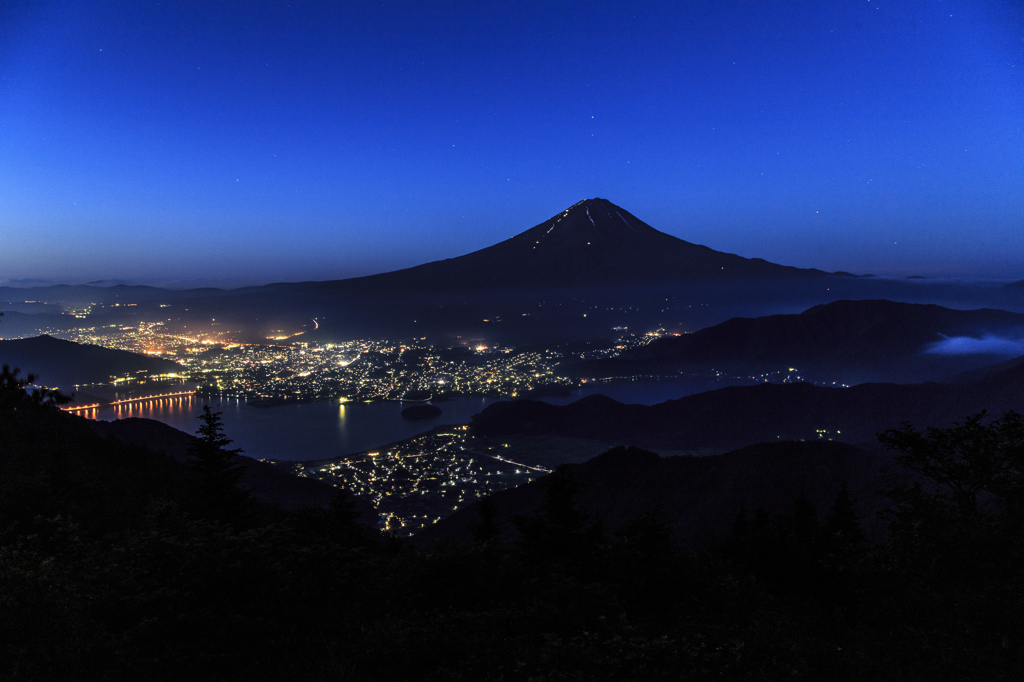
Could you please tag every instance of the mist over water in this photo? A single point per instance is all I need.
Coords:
(988, 344)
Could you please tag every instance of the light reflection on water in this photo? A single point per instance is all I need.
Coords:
(326, 429)
(300, 431)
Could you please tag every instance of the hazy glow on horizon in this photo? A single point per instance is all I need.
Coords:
(222, 142)
(989, 344)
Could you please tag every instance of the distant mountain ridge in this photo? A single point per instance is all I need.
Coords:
(734, 417)
(863, 340)
(93, 293)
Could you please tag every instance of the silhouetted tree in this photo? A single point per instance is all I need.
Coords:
(842, 525)
(783, 551)
(343, 520)
(559, 530)
(218, 473)
(648, 536)
(644, 562)
(488, 530)
(15, 393)
(804, 525)
(956, 547)
(967, 462)
(740, 525)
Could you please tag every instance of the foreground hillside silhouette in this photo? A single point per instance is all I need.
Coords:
(699, 497)
(114, 566)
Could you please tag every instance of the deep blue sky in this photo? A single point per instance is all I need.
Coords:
(267, 141)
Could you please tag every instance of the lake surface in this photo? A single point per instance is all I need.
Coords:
(326, 429)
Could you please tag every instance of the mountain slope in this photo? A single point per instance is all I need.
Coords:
(735, 417)
(853, 340)
(593, 242)
(65, 363)
(591, 267)
(987, 371)
(267, 483)
(699, 496)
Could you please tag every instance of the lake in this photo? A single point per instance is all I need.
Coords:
(326, 429)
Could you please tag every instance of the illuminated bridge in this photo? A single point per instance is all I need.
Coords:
(143, 399)
(80, 408)
(128, 401)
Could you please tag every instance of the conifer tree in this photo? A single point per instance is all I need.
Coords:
(488, 530)
(343, 519)
(741, 525)
(560, 530)
(842, 525)
(805, 520)
(217, 471)
(15, 394)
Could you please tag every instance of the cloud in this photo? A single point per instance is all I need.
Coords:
(967, 345)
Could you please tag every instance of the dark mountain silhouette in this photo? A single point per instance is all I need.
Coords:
(593, 242)
(986, 372)
(850, 340)
(594, 259)
(700, 496)
(89, 293)
(590, 268)
(577, 275)
(730, 418)
(64, 363)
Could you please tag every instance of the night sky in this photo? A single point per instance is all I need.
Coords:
(185, 143)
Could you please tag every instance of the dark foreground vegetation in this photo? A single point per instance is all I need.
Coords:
(118, 563)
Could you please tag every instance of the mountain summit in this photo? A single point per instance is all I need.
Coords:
(594, 243)
(587, 269)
